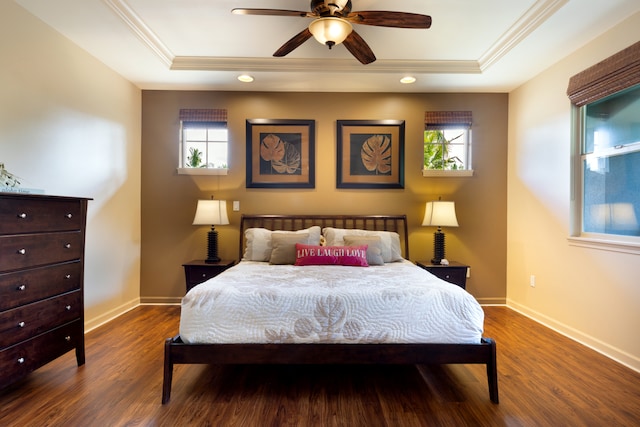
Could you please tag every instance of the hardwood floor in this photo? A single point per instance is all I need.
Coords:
(545, 379)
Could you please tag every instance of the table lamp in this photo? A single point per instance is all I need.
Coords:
(211, 212)
(439, 214)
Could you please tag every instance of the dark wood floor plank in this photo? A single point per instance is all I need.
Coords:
(545, 380)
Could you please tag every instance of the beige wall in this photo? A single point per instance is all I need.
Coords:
(71, 126)
(590, 294)
(169, 200)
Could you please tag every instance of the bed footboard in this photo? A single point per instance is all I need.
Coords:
(175, 351)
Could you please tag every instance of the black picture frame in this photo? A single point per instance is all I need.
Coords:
(280, 153)
(370, 154)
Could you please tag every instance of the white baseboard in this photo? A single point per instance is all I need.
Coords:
(492, 301)
(620, 356)
(91, 324)
(160, 300)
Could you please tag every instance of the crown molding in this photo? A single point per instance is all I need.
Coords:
(208, 63)
(141, 30)
(535, 16)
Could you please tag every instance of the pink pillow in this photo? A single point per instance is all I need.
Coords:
(331, 255)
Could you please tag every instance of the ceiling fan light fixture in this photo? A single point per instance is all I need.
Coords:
(330, 31)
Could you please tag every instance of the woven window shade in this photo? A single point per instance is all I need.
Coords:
(434, 120)
(203, 115)
(618, 72)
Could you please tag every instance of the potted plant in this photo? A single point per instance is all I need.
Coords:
(195, 159)
(7, 179)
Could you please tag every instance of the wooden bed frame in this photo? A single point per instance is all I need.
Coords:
(177, 352)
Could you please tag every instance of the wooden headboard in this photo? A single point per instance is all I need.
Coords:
(396, 223)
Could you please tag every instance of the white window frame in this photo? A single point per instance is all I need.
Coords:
(446, 121)
(206, 118)
(578, 237)
(613, 75)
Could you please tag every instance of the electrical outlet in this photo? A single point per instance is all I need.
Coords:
(532, 281)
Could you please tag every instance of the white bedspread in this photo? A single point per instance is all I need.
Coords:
(255, 302)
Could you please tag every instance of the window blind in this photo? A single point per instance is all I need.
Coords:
(618, 72)
(434, 120)
(203, 115)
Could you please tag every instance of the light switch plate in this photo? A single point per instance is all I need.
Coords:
(236, 205)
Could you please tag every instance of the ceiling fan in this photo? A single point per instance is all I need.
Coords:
(331, 25)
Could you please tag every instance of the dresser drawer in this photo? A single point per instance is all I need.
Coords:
(20, 359)
(31, 250)
(28, 215)
(31, 285)
(33, 319)
(451, 274)
(197, 275)
(454, 272)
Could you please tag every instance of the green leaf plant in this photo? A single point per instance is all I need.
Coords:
(436, 152)
(195, 159)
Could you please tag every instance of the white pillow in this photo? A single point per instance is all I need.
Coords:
(390, 240)
(258, 243)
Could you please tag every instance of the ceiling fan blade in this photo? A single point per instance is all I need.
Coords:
(390, 19)
(293, 43)
(272, 12)
(359, 48)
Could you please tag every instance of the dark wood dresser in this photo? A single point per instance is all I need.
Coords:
(41, 281)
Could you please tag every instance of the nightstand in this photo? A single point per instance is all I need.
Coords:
(455, 272)
(198, 271)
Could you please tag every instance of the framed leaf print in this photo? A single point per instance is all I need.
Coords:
(370, 154)
(280, 153)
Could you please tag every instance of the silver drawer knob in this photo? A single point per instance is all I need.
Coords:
(22, 251)
(21, 360)
(67, 276)
(69, 215)
(67, 245)
(67, 338)
(21, 324)
(204, 275)
(21, 287)
(22, 215)
(67, 307)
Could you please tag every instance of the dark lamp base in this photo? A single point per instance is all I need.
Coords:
(438, 247)
(212, 247)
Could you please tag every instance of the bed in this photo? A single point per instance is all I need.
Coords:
(214, 331)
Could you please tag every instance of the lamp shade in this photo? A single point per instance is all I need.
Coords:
(330, 31)
(440, 214)
(211, 212)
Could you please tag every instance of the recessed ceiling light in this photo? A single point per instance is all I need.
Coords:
(245, 78)
(408, 80)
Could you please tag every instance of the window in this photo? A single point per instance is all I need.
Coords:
(204, 142)
(610, 163)
(447, 143)
(606, 167)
